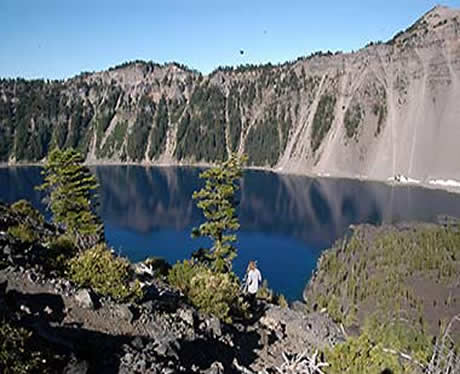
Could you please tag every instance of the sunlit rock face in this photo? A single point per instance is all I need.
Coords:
(388, 109)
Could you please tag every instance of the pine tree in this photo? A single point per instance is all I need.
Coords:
(218, 202)
(72, 200)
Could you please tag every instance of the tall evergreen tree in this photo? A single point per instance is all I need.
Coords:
(218, 202)
(72, 199)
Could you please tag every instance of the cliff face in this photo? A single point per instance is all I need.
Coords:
(390, 108)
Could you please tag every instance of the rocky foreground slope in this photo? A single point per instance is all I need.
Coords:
(378, 301)
(76, 331)
(388, 109)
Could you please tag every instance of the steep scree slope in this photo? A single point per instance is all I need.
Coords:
(390, 108)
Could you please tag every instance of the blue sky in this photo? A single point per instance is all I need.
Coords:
(61, 38)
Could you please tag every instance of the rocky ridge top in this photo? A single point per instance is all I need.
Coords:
(372, 113)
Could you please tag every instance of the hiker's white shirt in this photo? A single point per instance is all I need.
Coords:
(254, 278)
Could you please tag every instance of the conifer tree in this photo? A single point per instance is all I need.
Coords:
(218, 202)
(72, 199)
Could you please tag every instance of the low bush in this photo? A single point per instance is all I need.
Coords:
(376, 350)
(25, 209)
(361, 355)
(60, 251)
(23, 232)
(211, 292)
(181, 274)
(266, 294)
(105, 273)
(16, 357)
(281, 301)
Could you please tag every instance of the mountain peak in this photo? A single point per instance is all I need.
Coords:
(440, 13)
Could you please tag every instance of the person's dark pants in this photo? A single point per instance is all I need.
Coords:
(251, 297)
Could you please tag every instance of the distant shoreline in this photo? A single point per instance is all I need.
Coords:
(287, 172)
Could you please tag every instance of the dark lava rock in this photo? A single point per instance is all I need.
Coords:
(76, 367)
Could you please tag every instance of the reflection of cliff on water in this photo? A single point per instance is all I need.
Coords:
(145, 199)
(316, 211)
(18, 183)
(319, 210)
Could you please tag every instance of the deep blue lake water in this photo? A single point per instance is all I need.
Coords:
(286, 221)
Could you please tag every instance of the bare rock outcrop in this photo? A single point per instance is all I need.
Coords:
(385, 110)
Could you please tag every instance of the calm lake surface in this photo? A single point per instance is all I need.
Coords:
(286, 221)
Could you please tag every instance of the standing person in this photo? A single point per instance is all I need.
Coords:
(254, 279)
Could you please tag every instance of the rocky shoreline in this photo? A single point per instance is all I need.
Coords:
(451, 188)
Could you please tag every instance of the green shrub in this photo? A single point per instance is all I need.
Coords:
(401, 337)
(376, 350)
(16, 357)
(265, 293)
(181, 274)
(60, 251)
(25, 209)
(105, 273)
(281, 301)
(211, 292)
(23, 233)
(361, 355)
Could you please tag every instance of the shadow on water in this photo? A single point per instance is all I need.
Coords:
(286, 221)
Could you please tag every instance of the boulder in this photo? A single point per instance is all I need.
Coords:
(300, 329)
(123, 311)
(299, 306)
(213, 326)
(76, 367)
(215, 368)
(86, 299)
(187, 315)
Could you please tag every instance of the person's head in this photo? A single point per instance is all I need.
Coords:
(252, 265)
